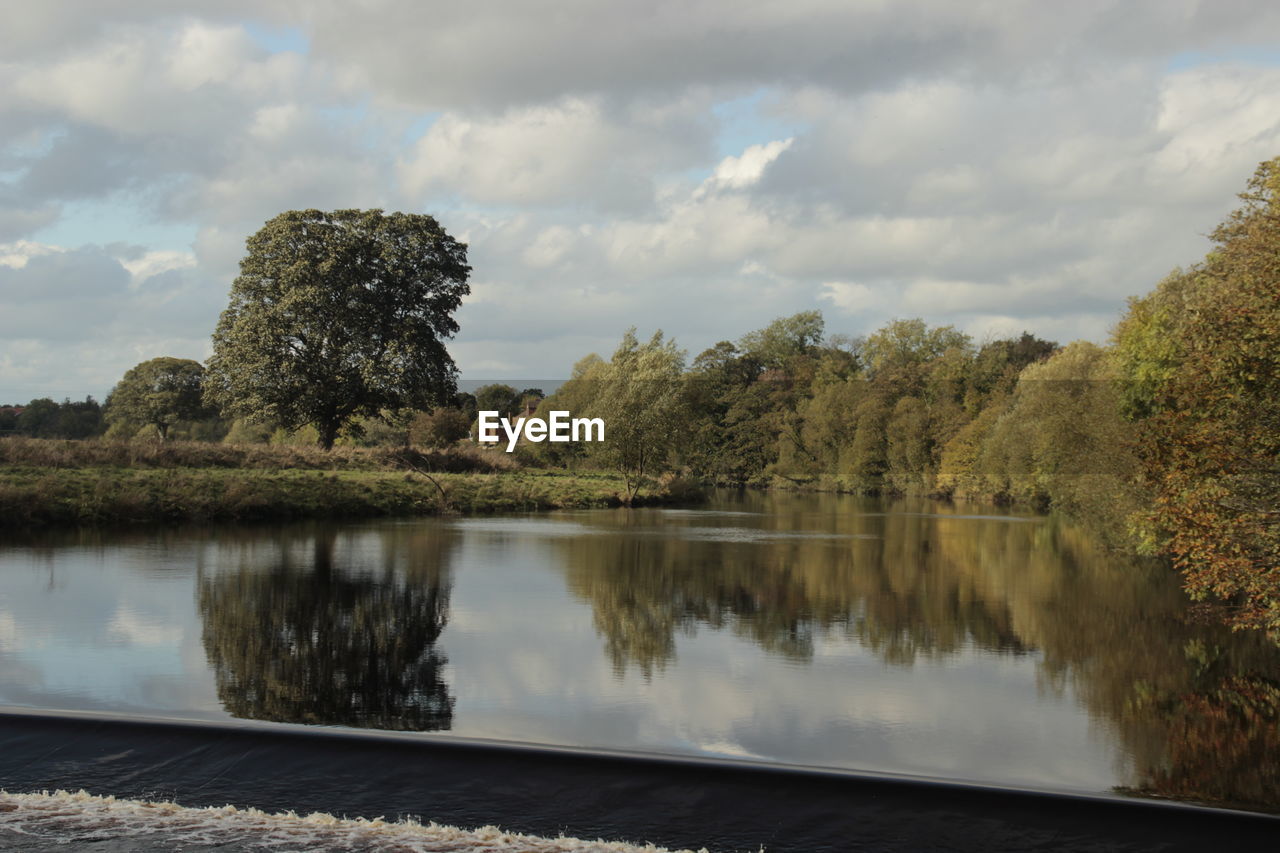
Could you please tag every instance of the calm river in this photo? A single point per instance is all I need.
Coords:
(907, 637)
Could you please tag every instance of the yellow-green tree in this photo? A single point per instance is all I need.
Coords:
(1064, 441)
(639, 395)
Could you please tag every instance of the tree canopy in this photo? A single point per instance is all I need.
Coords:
(638, 395)
(158, 393)
(43, 418)
(338, 315)
(1202, 356)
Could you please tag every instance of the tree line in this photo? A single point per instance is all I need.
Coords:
(1164, 440)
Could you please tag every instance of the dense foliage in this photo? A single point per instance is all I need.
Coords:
(158, 393)
(339, 315)
(1167, 440)
(43, 418)
(1202, 356)
(784, 406)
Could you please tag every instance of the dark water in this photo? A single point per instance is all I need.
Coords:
(901, 637)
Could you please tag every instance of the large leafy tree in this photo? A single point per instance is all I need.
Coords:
(158, 393)
(339, 315)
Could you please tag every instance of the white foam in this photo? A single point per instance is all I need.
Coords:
(66, 818)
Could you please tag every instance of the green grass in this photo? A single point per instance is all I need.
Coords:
(19, 452)
(46, 482)
(32, 496)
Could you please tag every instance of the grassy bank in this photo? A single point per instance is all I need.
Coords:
(57, 482)
(100, 453)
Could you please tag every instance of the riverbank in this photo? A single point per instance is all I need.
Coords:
(66, 482)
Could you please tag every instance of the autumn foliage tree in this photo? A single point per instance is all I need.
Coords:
(1204, 354)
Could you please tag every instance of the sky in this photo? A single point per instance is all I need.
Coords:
(700, 167)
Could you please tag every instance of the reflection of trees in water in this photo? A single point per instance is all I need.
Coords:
(1193, 705)
(1223, 744)
(780, 585)
(643, 591)
(309, 634)
(1195, 708)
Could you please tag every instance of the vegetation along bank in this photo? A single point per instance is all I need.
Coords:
(89, 482)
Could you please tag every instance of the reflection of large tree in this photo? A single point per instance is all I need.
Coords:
(319, 631)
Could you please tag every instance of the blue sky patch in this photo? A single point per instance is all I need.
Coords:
(279, 39)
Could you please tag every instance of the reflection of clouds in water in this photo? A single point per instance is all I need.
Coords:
(9, 640)
(539, 527)
(728, 749)
(703, 513)
(565, 529)
(131, 629)
(754, 534)
(913, 654)
(958, 517)
(729, 698)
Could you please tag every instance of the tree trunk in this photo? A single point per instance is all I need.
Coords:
(328, 433)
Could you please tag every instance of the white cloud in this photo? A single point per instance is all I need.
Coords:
(1014, 165)
(16, 255)
(852, 297)
(571, 151)
(550, 247)
(1214, 122)
(154, 263)
(143, 81)
(735, 173)
(511, 52)
(74, 320)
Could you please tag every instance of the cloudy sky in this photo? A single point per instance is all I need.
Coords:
(700, 167)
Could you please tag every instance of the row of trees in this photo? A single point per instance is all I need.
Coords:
(163, 398)
(1165, 440)
(44, 418)
(906, 410)
(155, 395)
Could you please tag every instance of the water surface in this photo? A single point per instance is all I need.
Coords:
(902, 637)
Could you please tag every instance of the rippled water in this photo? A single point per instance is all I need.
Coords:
(902, 637)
